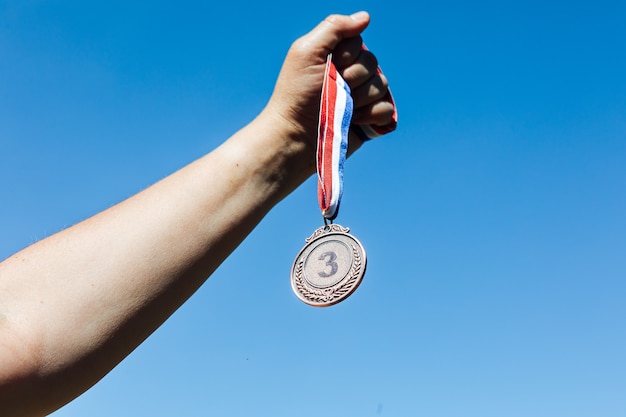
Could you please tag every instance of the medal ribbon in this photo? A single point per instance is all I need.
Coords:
(332, 141)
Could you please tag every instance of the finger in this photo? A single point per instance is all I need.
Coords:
(371, 91)
(379, 113)
(361, 70)
(347, 51)
(332, 30)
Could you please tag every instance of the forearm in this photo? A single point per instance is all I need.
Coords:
(93, 292)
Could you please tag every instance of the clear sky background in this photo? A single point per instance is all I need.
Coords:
(494, 218)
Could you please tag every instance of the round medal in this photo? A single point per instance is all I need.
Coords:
(329, 267)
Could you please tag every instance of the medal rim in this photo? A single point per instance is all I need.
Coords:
(322, 233)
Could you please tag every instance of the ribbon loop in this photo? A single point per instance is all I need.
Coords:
(332, 141)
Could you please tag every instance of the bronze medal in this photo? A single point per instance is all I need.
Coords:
(329, 267)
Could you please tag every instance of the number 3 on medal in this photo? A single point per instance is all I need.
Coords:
(332, 256)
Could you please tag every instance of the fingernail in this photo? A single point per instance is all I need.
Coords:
(360, 16)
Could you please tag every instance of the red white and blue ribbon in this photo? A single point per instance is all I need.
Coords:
(332, 139)
(332, 142)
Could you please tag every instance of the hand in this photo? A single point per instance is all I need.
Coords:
(296, 97)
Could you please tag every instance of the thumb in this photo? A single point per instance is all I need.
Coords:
(332, 30)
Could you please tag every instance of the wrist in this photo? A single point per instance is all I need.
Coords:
(274, 152)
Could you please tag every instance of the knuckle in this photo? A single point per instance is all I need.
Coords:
(299, 48)
(369, 59)
(382, 81)
(384, 113)
(332, 19)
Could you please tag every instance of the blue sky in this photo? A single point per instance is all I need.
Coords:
(493, 218)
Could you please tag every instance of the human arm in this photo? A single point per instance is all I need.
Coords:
(72, 306)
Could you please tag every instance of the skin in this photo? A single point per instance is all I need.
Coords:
(74, 305)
